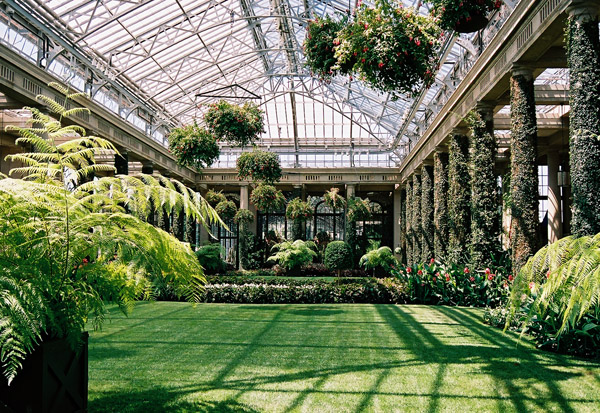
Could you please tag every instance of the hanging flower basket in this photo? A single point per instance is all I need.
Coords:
(334, 200)
(193, 146)
(238, 125)
(394, 48)
(226, 209)
(267, 198)
(463, 16)
(243, 216)
(213, 198)
(319, 46)
(358, 209)
(259, 166)
(299, 210)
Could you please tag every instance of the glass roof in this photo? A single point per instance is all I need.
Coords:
(178, 55)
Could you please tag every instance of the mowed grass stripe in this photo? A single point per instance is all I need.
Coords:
(326, 358)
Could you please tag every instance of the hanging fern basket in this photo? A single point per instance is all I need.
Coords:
(469, 25)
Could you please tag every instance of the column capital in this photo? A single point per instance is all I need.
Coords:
(519, 69)
(427, 162)
(583, 10)
(459, 130)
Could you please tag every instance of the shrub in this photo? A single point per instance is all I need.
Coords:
(193, 146)
(210, 259)
(239, 125)
(338, 256)
(293, 255)
(259, 166)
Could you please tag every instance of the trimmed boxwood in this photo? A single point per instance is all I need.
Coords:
(338, 256)
(583, 55)
(459, 199)
(440, 204)
(524, 175)
(427, 228)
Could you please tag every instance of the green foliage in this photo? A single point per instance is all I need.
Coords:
(193, 146)
(293, 255)
(66, 250)
(267, 198)
(209, 257)
(392, 48)
(319, 45)
(358, 209)
(338, 256)
(213, 198)
(238, 125)
(226, 209)
(259, 166)
(298, 209)
(408, 220)
(381, 259)
(440, 205)
(427, 226)
(417, 229)
(451, 13)
(524, 173)
(243, 216)
(485, 203)
(583, 55)
(334, 200)
(459, 199)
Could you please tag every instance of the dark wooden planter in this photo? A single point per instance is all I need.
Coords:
(476, 23)
(54, 378)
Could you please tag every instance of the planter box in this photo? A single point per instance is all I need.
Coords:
(54, 378)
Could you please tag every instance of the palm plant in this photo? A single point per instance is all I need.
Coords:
(69, 248)
(562, 278)
(293, 255)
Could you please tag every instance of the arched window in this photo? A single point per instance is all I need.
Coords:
(379, 226)
(327, 220)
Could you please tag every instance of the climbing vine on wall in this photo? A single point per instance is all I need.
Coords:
(459, 199)
(440, 204)
(427, 229)
(485, 217)
(524, 175)
(583, 53)
(416, 218)
(408, 223)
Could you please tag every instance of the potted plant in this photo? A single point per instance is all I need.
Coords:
(319, 47)
(267, 198)
(395, 48)
(238, 125)
(193, 146)
(299, 212)
(67, 249)
(463, 16)
(259, 166)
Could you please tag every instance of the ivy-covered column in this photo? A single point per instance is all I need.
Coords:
(523, 168)
(485, 214)
(583, 56)
(440, 204)
(403, 221)
(427, 228)
(409, 213)
(416, 218)
(397, 222)
(459, 198)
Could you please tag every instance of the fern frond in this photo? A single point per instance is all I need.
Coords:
(62, 89)
(52, 104)
(76, 111)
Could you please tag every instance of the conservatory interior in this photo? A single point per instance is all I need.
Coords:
(384, 205)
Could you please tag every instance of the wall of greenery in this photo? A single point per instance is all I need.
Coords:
(440, 204)
(459, 199)
(485, 214)
(427, 227)
(402, 223)
(583, 55)
(416, 218)
(408, 222)
(524, 174)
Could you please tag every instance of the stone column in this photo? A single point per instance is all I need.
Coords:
(440, 204)
(554, 201)
(427, 228)
(122, 163)
(416, 217)
(398, 223)
(583, 57)
(459, 197)
(244, 197)
(523, 167)
(350, 190)
(408, 223)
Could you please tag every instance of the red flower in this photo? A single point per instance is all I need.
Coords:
(434, 279)
(362, 60)
(431, 261)
(548, 274)
(447, 278)
(531, 285)
(420, 272)
(408, 270)
(471, 279)
(380, 65)
(466, 271)
(487, 271)
(510, 277)
(491, 277)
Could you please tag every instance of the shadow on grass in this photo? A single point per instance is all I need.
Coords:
(319, 311)
(159, 400)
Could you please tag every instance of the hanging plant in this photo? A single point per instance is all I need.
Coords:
(213, 198)
(358, 209)
(319, 47)
(226, 209)
(238, 125)
(259, 166)
(463, 16)
(394, 47)
(193, 146)
(334, 200)
(267, 198)
(243, 216)
(299, 210)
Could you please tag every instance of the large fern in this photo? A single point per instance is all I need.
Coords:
(69, 247)
(563, 277)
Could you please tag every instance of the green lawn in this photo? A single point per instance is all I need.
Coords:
(171, 357)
